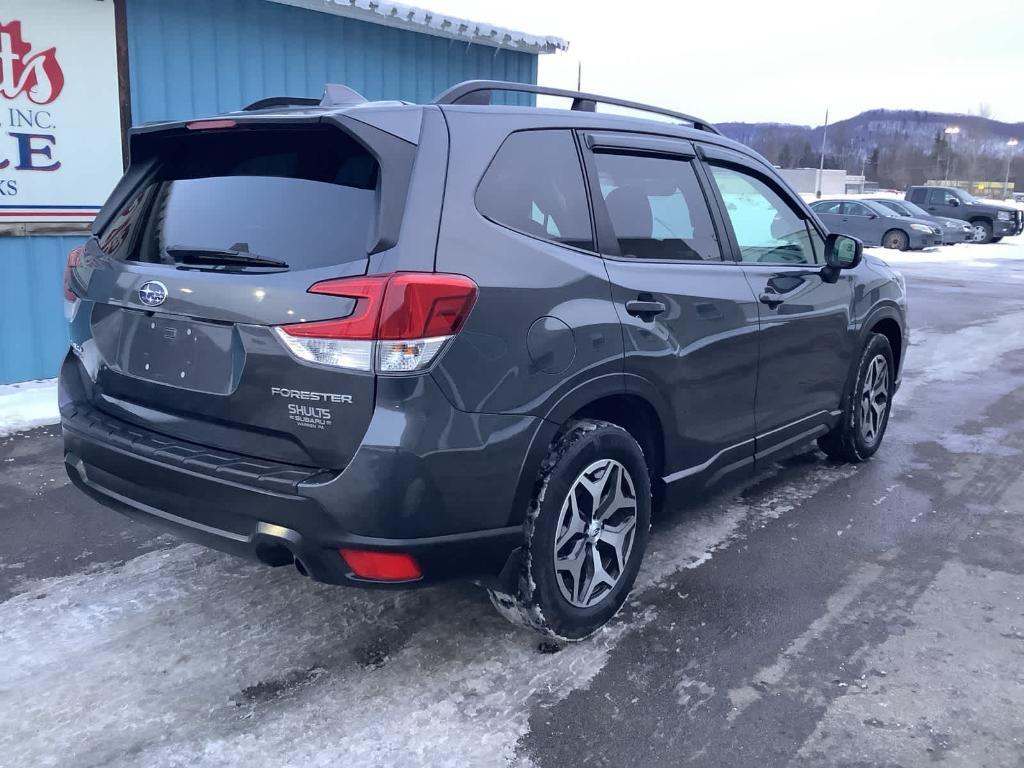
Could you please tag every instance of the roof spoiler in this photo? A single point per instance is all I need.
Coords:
(335, 95)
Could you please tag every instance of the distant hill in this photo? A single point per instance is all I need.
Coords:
(894, 147)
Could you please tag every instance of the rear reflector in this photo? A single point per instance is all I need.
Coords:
(73, 256)
(400, 321)
(381, 566)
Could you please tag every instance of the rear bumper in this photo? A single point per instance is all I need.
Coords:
(452, 507)
(273, 527)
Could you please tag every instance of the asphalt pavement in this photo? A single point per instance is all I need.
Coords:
(819, 615)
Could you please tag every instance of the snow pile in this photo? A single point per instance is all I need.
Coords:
(27, 405)
(974, 255)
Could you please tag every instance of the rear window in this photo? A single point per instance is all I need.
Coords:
(535, 185)
(303, 197)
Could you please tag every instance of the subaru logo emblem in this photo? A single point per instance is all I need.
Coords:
(153, 293)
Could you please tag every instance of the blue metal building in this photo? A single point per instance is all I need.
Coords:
(189, 58)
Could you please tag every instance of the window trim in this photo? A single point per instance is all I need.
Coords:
(586, 196)
(670, 148)
(737, 162)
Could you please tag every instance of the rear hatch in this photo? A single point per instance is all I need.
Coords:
(208, 247)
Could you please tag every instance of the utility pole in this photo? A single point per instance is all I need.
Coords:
(579, 75)
(1009, 158)
(821, 166)
(950, 131)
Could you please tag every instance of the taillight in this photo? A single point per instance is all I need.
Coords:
(381, 566)
(73, 256)
(208, 125)
(400, 322)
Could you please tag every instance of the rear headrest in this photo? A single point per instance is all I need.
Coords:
(630, 212)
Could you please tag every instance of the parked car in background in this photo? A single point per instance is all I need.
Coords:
(875, 224)
(953, 230)
(991, 221)
(393, 345)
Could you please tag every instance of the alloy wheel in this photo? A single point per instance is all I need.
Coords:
(874, 400)
(980, 232)
(895, 241)
(595, 533)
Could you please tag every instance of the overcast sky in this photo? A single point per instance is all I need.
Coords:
(780, 60)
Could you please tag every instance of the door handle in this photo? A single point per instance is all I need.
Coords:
(771, 299)
(645, 309)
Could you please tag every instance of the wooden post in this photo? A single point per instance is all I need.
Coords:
(123, 77)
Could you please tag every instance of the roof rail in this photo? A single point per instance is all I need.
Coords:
(478, 92)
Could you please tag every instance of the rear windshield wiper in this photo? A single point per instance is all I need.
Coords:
(228, 257)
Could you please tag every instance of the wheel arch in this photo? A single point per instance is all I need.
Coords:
(889, 327)
(887, 320)
(604, 399)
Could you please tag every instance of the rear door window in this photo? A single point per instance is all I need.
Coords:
(303, 197)
(535, 185)
(855, 209)
(831, 206)
(656, 207)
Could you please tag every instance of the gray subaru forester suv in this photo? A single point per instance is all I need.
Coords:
(393, 343)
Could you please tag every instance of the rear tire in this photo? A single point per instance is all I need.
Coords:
(866, 407)
(982, 231)
(896, 239)
(585, 533)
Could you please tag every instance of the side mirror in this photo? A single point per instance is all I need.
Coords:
(872, 215)
(843, 251)
(954, 202)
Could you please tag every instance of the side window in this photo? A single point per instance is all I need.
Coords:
(936, 197)
(768, 230)
(855, 209)
(827, 207)
(535, 185)
(657, 208)
(948, 198)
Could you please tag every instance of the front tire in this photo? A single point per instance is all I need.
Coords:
(982, 231)
(896, 239)
(585, 533)
(858, 435)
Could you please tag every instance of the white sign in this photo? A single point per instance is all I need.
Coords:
(60, 125)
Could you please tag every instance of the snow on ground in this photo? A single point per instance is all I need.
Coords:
(961, 354)
(27, 405)
(187, 656)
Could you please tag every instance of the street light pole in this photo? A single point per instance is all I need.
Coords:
(821, 166)
(1009, 158)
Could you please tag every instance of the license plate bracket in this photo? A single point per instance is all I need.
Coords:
(179, 352)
